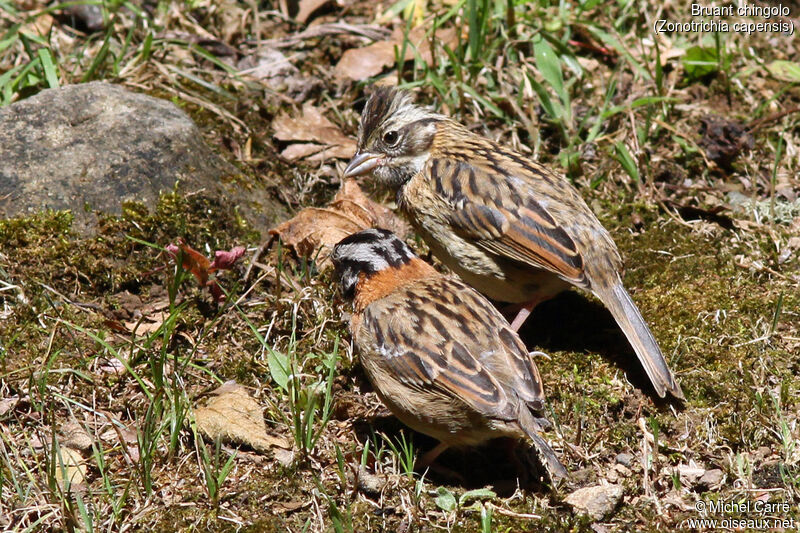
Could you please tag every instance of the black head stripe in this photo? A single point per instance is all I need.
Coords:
(380, 106)
(367, 251)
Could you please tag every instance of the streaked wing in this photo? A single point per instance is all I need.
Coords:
(504, 353)
(499, 212)
(459, 356)
(528, 381)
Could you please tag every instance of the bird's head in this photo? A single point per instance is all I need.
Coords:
(394, 138)
(367, 252)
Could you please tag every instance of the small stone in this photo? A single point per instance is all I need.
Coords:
(597, 501)
(690, 474)
(624, 459)
(764, 452)
(284, 457)
(712, 478)
(369, 483)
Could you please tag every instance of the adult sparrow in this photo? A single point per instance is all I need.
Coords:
(439, 355)
(510, 227)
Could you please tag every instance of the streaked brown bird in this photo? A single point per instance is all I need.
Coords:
(439, 355)
(510, 227)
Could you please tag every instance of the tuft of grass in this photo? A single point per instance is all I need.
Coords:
(310, 402)
(404, 452)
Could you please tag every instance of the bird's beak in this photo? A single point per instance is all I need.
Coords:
(362, 163)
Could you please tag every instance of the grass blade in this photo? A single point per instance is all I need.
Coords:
(626, 160)
(49, 67)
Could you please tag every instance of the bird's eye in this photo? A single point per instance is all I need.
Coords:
(390, 137)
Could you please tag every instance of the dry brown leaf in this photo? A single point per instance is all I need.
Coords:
(70, 466)
(41, 25)
(146, 327)
(76, 437)
(120, 433)
(316, 152)
(288, 507)
(314, 230)
(266, 64)
(112, 366)
(362, 63)
(7, 404)
(307, 8)
(311, 126)
(233, 416)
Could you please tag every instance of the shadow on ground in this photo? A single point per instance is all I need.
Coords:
(571, 322)
(501, 464)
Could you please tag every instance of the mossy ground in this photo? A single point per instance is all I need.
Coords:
(716, 322)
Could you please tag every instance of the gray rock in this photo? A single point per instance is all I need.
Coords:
(596, 501)
(369, 483)
(711, 478)
(89, 147)
(624, 459)
(90, 16)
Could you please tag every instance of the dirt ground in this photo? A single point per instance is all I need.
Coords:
(133, 398)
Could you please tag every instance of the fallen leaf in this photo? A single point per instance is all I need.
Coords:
(233, 416)
(76, 437)
(7, 404)
(156, 305)
(112, 366)
(70, 467)
(724, 139)
(307, 8)
(314, 231)
(266, 64)
(311, 125)
(361, 63)
(316, 152)
(41, 25)
(288, 507)
(284, 457)
(201, 268)
(115, 434)
(785, 70)
(146, 324)
(225, 260)
(314, 227)
(191, 260)
(142, 329)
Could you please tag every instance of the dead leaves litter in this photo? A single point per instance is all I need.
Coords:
(312, 136)
(361, 63)
(315, 230)
(235, 417)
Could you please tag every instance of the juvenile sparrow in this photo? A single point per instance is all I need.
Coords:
(439, 355)
(510, 227)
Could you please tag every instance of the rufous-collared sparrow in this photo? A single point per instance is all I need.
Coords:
(439, 355)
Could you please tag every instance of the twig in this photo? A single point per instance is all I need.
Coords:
(506, 512)
(373, 33)
(754, 125)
